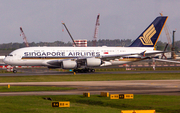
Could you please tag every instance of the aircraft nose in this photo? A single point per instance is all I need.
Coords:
(5, 60)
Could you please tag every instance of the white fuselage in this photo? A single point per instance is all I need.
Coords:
(39, 56)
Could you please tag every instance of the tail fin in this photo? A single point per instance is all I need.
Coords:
(150, 35)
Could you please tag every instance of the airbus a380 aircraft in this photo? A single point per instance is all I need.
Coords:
(84, 59)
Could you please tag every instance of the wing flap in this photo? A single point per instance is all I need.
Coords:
(116, 56)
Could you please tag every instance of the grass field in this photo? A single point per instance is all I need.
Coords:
(91, 77)
(5, 71)
(80, 104)
(132, 69)
(94, 104)
(32, 88)
(111, 69)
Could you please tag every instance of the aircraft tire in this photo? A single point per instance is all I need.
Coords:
(86, 70)
(83, 70)
(14, 71)
(89, 70)
(92, 70)
(75, 70)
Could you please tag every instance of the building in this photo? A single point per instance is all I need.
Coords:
(81, 43)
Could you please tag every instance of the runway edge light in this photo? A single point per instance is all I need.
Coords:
(9, 85)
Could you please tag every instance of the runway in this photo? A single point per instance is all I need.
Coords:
(45, 71)
(150, 87)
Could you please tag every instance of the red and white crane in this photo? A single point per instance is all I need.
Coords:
(96, 30)
(24, 37)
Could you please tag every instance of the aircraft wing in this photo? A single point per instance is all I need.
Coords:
(154, 53)
(143, 54)
(172, 61)
(83, 58)
(112, 57)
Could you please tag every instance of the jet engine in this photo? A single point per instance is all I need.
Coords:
(68, 64)
(93, 62)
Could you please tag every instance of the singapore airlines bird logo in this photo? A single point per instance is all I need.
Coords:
(147, 35)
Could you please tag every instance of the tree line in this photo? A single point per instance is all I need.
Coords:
(101, 42)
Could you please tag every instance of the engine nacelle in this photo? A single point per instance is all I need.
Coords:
(68, 64)
(93, 62)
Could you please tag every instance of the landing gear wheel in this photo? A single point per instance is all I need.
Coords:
(86, 70)
(14, 71)
(82, 71)
(77, 70)
(92, 70)
(89, 70)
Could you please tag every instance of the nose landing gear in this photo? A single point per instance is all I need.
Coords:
(14, 71)
(11, 69)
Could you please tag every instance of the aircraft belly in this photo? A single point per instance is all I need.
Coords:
(30, 63)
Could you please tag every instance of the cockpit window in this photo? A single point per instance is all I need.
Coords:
(10, 55)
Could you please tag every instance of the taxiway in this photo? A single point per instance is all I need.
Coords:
(150, 87)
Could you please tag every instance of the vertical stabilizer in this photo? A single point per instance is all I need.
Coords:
(150, 35)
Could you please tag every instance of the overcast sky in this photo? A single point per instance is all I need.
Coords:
(119, 19)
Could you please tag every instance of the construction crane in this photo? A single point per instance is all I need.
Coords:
(69, 33)
(96, 30)
(24, 37)
(167, 33)
(169, 40)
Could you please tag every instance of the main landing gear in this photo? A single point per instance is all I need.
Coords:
(86, 70)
